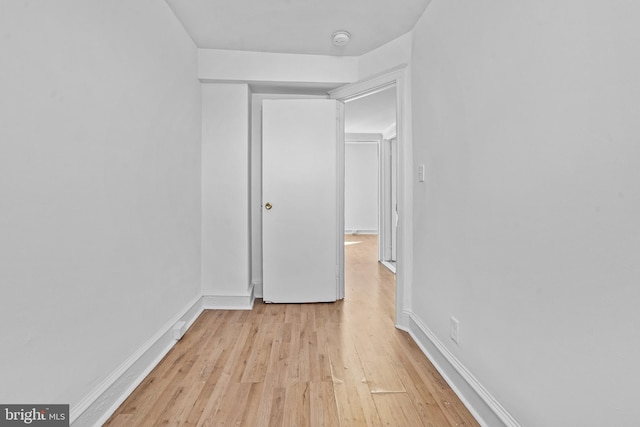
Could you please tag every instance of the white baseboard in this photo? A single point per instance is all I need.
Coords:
(484, 407)
(228, 302)
(257, 288)
(358, 231)
(390, 266)
(103, 401)
(402, 321)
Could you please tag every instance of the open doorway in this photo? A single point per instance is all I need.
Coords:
(371, 170)
(398, 78)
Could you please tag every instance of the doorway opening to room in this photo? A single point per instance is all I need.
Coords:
(370, 202)
(396, 78)
(371, 171)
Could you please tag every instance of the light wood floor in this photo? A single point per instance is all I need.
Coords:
(294, 365)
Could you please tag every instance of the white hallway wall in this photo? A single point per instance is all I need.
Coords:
(527, 229)
(226, 237)
(361, 187)
(99, 189)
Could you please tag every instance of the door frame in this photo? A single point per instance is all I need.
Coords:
(386, 244)
(404, 267)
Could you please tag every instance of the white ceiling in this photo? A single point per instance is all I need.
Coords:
(374, 113)
(296, 26)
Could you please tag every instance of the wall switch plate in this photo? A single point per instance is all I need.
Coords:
(421, 173)
(454, 330)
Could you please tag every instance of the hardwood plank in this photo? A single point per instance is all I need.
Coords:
(353, 397)
(336, 364)
(376, 363)
(355, 405)
(196, 380)
(324, 411)
(241, 359)
(224, 375)
(396, 409)
(446, 399)
(323, 359)
(122, 420)
(213, 381)
(251, 416)
(280, 357)
(276, 418)
(273, 313)
(256, 366)
(425, 403)
(232, 405)
(297, 405)
(213, 402)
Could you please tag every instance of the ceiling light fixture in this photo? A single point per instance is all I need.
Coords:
(341, 38)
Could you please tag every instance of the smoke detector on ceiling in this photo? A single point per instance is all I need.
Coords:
(341, 38)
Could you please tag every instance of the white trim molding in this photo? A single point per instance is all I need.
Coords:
(389, 265)
(257, 288)
(363, 138)
(369, 86)
(482, 405)
(228, 302)
(103, 401)
(360, 231)
(399, 76)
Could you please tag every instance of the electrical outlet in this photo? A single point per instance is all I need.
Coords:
(455, 329)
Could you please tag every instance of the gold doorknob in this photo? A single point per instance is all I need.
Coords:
(268, 206)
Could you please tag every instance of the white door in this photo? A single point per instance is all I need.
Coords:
(394, 198)
(303, 200)
(388, 166)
